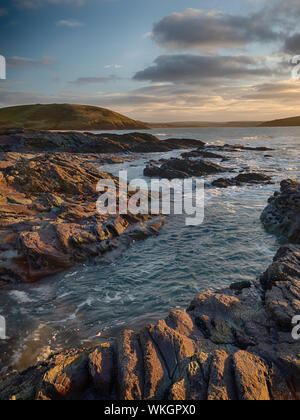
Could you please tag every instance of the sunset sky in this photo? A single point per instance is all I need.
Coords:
(158, 60)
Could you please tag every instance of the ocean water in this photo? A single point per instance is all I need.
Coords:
(90, 304)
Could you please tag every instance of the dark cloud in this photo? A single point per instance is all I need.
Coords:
(95, 80)
(34, 4)
(213, 30)
(20, 62)
(292, 44)
(187, 68)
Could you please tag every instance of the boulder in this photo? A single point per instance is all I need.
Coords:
(242, 179)
(183, 168)
(282, 215)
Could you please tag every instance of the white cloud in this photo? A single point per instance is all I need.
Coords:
(70, 23)
(19, 62)
(113, 66)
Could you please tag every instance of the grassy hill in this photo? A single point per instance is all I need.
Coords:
(65, 117)
(286, 122)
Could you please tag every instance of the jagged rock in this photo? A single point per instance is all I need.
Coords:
(239, 147)
(183, 168)
(247, 178)
(282, 285)
(75, 142)
(49, 221)
(282, 215)
(240, 285)
(228, 345)
(201, 153)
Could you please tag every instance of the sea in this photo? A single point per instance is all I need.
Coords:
(90, 304)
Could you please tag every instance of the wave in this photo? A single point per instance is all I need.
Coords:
(255, 138)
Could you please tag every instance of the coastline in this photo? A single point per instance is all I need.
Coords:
(184, 356)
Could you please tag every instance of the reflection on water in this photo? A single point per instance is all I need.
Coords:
(91, 303)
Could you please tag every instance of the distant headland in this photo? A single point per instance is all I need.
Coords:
(85, 117)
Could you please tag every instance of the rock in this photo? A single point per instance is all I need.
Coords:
(201, 153)
(239, 147)
(183, 168)
(241, 285)
(282, 285)
(224, 347)
(245, 178)
(101, 365)
(282, 215)
(67, 379)
(251, 373)
(26, 141)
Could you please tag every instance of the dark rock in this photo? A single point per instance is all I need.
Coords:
(201, 153)
(239, 147)
(76, 142)
(244, 178)
(281, 282)
(183, 168)
(282, 215)
(241, 285)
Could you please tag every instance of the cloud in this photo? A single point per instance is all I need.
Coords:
(292, 44)
(188, 68)
(71, 23)
(113, 66)
(34, 4)
(200, 30)
(166, 102)
(280, 92)
(95, 80)
(20, 62)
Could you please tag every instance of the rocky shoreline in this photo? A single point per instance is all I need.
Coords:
(282, 215)
(232, 344)
(48, 217)
(26, 141)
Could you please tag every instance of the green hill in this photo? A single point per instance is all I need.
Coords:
(286, 122)
(65, 117)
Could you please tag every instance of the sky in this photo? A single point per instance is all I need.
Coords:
(156, 61)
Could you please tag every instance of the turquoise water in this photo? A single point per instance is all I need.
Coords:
(90, 304)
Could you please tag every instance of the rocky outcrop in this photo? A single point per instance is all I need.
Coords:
(233, 344)
(48, 217)
(242, 179)
(76, 142)
(282, 215)
(239, 147)
(183, 168)
(202, 154)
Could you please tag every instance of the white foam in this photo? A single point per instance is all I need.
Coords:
(20, 297)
